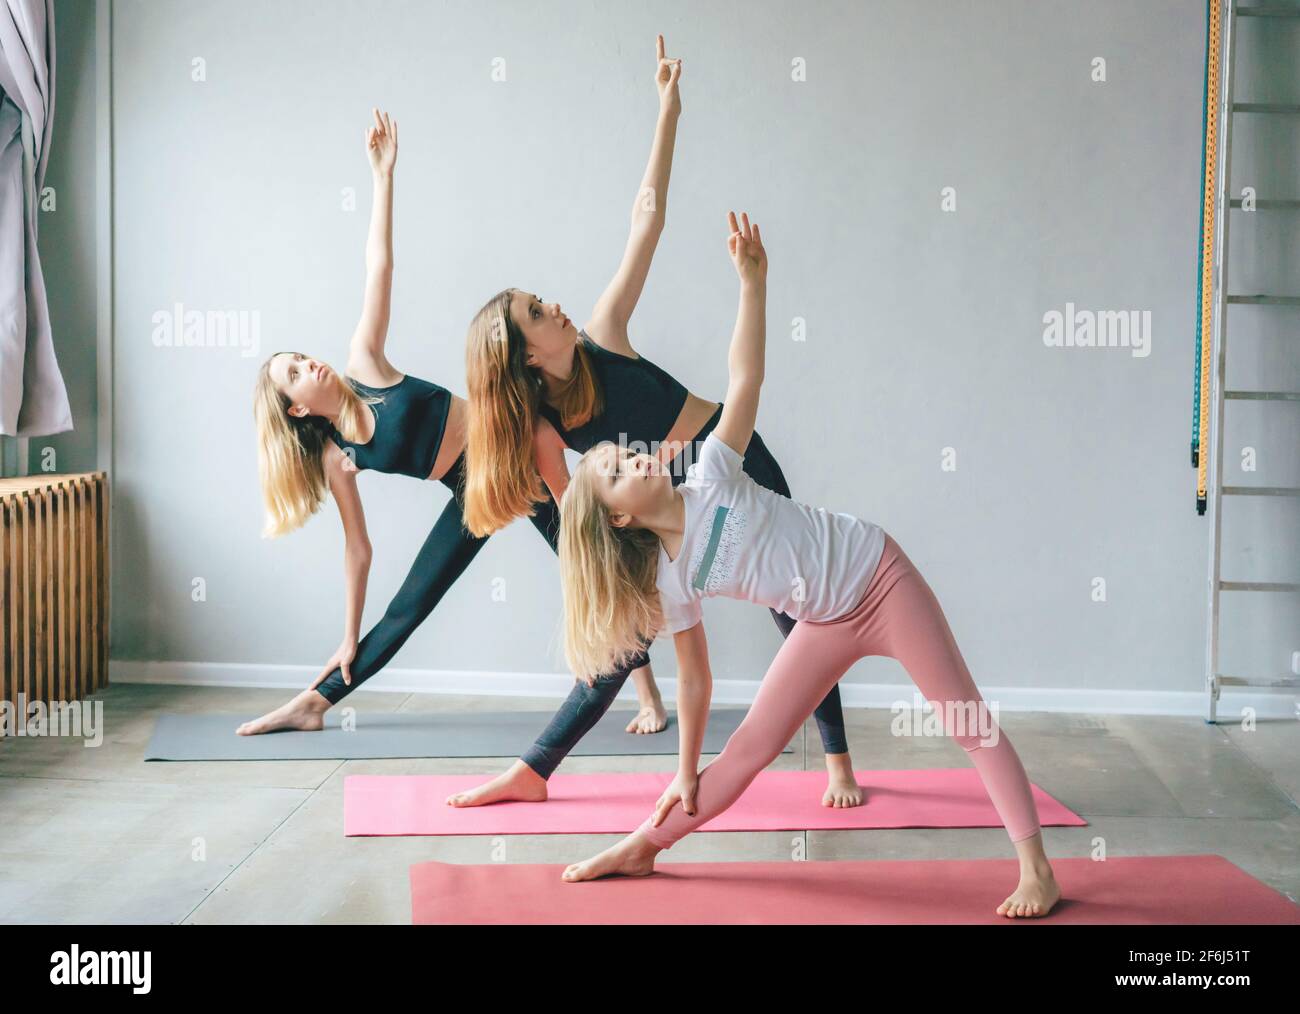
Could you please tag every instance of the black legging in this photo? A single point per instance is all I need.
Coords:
(447, 551)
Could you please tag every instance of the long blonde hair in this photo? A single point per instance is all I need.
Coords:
(290, 451)
(501, 480)
(607, 573)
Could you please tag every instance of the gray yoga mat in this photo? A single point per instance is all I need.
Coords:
(430, 734)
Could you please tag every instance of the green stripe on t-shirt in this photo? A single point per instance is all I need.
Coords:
(715, 536)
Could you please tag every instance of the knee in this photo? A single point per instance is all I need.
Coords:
(972, 740)
(971, 725)
(753, 748)
(401, 616)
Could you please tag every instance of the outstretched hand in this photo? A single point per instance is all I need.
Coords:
(745, 244)
(667, 73)
(381, 143)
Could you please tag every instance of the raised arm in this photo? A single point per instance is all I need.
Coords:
(745, 360)
(609, 318)
(366, 353)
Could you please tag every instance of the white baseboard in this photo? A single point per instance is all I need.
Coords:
(854, 695)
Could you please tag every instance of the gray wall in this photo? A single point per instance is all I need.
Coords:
(924, 328)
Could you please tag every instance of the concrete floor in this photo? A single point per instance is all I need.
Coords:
(98, 835)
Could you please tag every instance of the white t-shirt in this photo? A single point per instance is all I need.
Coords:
(747, 542)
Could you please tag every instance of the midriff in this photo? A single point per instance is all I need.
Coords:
(454, 437)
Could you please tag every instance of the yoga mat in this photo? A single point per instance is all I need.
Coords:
(618, 803)
(431, 734)
(1127, 890)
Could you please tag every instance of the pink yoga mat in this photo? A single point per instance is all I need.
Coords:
(618, 803)
(1130, 890)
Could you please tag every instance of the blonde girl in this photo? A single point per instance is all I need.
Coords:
(638, 556)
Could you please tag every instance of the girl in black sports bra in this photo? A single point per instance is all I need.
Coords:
(538, 384)
(316, 432)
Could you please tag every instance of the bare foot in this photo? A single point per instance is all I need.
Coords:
(306, 713)
(520, 782)
(842, 788)
(651, 718)
(1034, 896)
(634, 856)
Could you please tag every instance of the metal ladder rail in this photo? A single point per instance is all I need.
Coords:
(1216, 491)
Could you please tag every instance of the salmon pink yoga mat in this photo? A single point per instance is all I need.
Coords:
(1128, 890)
(618, 803)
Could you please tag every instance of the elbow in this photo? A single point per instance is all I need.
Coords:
(649, 215)
(360, 552)
(750, 378)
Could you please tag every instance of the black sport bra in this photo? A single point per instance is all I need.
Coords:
(641, 400)
(409, 424)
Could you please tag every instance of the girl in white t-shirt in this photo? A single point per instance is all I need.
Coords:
(637, 556)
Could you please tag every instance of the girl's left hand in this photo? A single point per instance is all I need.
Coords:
(682, 790)
(381, 144)
(667, 74)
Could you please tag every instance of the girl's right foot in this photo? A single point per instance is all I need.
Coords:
(1034, 896)
(519, 783)
(306, 713)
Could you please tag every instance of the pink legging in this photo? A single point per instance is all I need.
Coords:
(899, 617)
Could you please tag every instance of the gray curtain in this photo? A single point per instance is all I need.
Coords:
(33, 398)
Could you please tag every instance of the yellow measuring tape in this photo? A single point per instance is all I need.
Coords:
(1209, 189)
